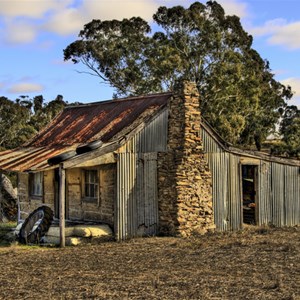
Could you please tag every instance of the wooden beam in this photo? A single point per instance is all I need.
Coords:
(62, 201)
(264, 156)
(108, 158)
(79, 159)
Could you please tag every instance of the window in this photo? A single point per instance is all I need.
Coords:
(36, 184)
(90, 185)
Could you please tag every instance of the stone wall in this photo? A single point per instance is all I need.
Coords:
(101, 210)
(76, 208)
(184, 181)
(29, 203)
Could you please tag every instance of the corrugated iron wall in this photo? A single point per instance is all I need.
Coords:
(264, 205)
(224, 167)
(125, 218)
(234, 197)
(285, 181)
(152, 138)
(137, 207)
(292, 195)
(278, 201)
(279, 194)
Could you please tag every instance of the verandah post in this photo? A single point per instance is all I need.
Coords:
(1, 215)
(62, 195)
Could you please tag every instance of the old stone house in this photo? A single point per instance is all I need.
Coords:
(149, 165)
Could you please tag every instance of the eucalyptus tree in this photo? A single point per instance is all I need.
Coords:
(22, 118)
(14, 127)
(290, 133)
(239, 95)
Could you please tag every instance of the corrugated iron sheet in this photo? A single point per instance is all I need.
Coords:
(151, 138)
(279, 194)
(285, 195)
(125, 223)
(30, 158)
(106, 121)
(137, 207)
(264, 193)
(102, 120)
(224, 167)
(278, 199)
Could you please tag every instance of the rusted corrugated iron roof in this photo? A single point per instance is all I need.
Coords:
(102, 120)
(106, 121)
(29, 158)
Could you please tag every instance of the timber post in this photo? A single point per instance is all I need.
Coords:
(62, 201)
(1, 212)
(18, 200)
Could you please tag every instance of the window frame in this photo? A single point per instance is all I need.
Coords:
(93, 185)
(36, 185)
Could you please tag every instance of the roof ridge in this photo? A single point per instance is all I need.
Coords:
(130, 98)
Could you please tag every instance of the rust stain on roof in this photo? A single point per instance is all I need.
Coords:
(81, 124)
(31, 158)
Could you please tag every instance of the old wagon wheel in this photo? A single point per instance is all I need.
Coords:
(36, 225)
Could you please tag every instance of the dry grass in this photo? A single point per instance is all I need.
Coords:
(254, 264)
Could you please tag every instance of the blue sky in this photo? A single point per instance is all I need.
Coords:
(33, 34)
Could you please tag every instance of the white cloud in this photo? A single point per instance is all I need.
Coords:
(287, 36)
(68, 21)
(295, 85)
(233, 7)
(116, 9)
(20, 32)
(25, 87)
(71, 20)
(30, 8)
(269, 27)
(280, 32)
(24, 20)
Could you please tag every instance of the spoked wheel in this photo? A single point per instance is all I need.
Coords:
(36, 225)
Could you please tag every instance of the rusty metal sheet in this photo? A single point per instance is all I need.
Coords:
(106, 121)
(101, 120)
(29, 159)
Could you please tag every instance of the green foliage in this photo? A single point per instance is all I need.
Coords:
(21, 119)
(239, 95)
(14, 127)
(114, 51)
(290, 131)
(44, 113)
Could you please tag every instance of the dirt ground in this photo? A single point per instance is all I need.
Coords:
(254, 264)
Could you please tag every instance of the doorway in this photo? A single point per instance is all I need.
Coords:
(249, 193)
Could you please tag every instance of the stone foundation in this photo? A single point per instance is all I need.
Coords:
(184, 180)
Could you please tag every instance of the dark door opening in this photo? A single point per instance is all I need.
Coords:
(249, 193)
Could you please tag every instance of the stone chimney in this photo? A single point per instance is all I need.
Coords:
(184, 180)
